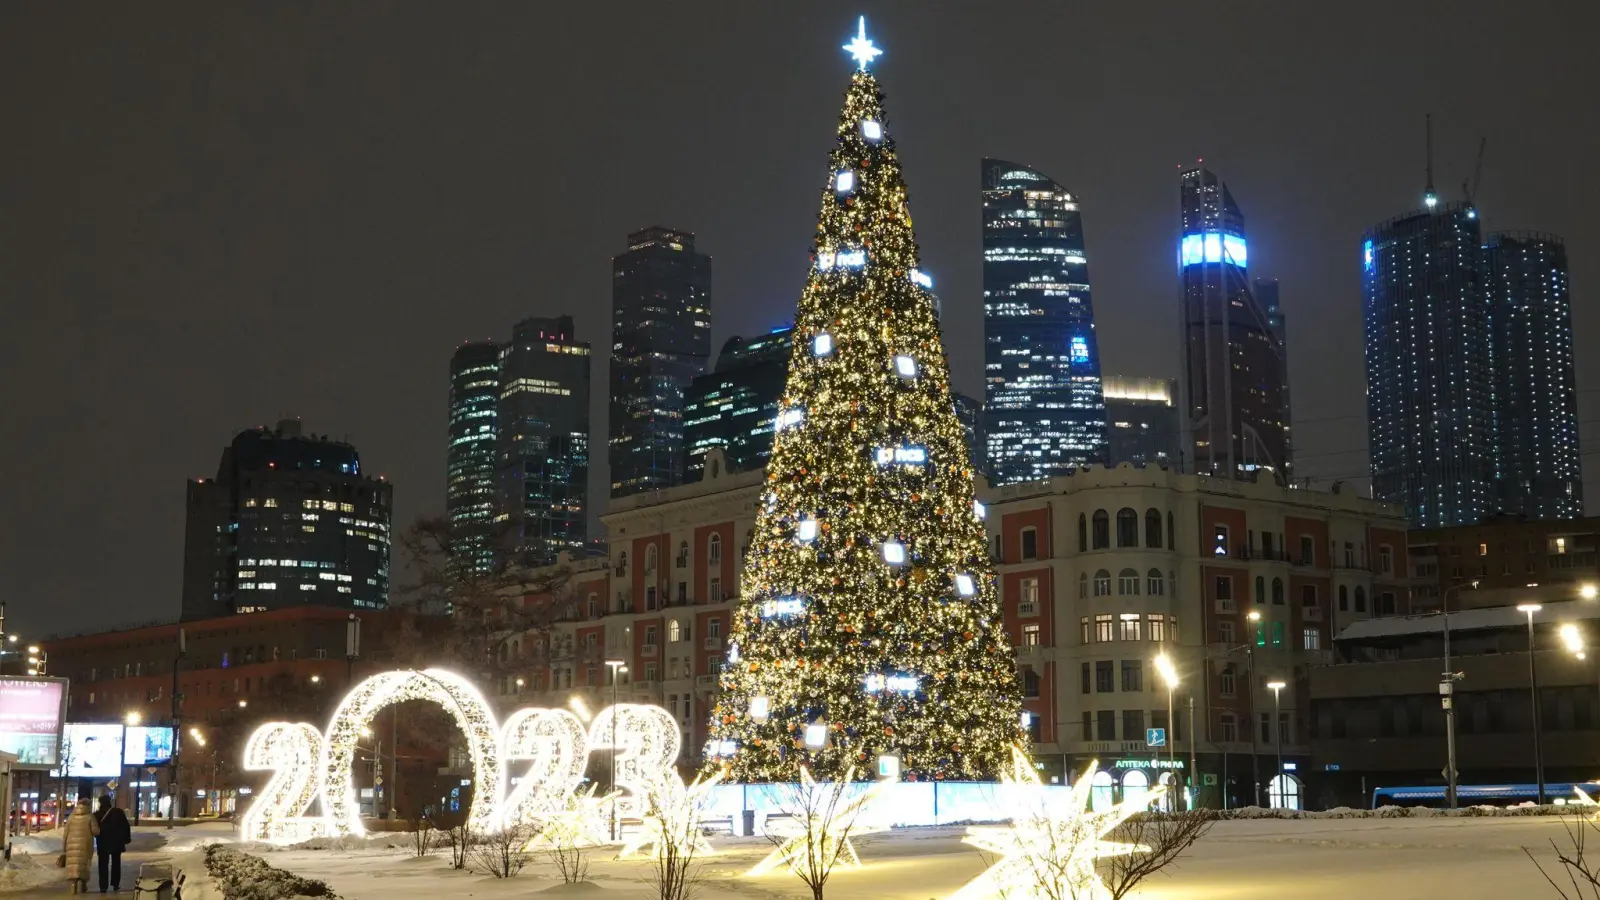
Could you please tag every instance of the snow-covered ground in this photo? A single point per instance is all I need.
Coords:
(1311, 859)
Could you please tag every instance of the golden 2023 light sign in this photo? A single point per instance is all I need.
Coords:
(552, 744)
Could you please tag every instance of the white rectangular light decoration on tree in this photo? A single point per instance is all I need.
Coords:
(852, 259)
(922, 278)
(894, 553)
(900, 684)
(845, 182)
(965, 585)
(822, 345)
(825, 259)
(816, 735)
(783, 606)
(905, 366)
(759, 708)
(909, 455)
(979, 510)
(871, 130)
(790, 418)
(806, 531)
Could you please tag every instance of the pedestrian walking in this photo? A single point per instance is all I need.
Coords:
(114, 835)
(77, 845)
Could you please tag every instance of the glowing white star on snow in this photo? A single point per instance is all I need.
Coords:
(1046, 847)
(673, 818)
(577, 820)
(861, 48)
(823, 826)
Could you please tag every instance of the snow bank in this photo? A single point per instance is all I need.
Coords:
(27, 873)
(233, 875)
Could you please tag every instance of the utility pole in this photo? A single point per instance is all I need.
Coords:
(1194, 772)
(177, 727)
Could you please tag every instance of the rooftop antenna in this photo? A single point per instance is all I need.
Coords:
(1429, 198)
(1477, 177)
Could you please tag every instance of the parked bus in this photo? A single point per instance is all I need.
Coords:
(1481, 794)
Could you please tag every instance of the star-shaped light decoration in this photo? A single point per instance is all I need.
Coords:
(822, 824)
(861, 48)
(673, 818)
(578, 820)
(1047, 850)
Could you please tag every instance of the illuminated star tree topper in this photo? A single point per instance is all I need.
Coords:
(862, 49)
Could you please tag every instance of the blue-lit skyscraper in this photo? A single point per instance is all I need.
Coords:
(1430, 384)
(1537, 462)
(470, 492)
(1043, 411)
(1236, 372)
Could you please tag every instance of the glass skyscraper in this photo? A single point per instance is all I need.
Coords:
(1142, 420)
(290, 520)
(1430, 384)
(1235, 360)
(660, 341)
(542, 441)
(735, 406)
(1538, 465)
(1043, 411)
(470, 492)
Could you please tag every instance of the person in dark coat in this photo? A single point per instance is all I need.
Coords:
(114, 837)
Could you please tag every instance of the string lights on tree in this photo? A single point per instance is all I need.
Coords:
(869, 558)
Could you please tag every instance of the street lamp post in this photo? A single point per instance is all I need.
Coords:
(1169, 674)
(617, 667)
(130, 720)
(1254, 618)
(1446, 693)
(1533, 695)
(1277, 722)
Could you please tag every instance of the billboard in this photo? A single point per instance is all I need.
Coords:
(148, 745)
(30, 719)
(93, 750)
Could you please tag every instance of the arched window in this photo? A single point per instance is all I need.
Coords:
(1155, 585)
(1277, 592)
(1135, 785)
(1283, 792)
(1172, 541)
(674, 631)
(1361, 599)
(683, 554)
(1102, 583)
(1083, 533)
(622, 562)
(1102, 530)
(1083, 586)
(1100, 792)
(1128, 582)
(1127, 528)
(714, 550)
(1261, 590)
(1152, 529)
(650, 559)
(516, 649)
(1344, 598)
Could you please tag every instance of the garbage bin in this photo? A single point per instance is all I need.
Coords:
(747, 822)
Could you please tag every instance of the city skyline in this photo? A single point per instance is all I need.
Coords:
(254, 316)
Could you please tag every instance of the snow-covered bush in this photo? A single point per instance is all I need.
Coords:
(241, 876)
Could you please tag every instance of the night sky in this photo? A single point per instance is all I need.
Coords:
(214, 214)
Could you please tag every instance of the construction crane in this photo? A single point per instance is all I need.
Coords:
(1477, 176)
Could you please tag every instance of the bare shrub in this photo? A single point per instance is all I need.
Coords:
(503, 853)
(1581, 873)
(461, 840)
(1162, 837)
(821, 817)
(423, 838)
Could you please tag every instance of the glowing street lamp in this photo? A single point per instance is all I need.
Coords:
(617, 667)
(1277, 720)
(1589, 591)
(1169, 674)
(1533, 694)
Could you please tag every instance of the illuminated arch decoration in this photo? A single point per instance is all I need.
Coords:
(557, 745)
(452, 692)
(291, 749)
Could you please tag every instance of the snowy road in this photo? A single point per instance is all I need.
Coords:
(1323, 859)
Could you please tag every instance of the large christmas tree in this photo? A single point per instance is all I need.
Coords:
(869, 622)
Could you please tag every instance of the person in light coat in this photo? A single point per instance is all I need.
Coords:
(77, 845)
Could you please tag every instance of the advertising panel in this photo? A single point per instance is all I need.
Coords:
(93, 750)
(148, 745)
(30, 719)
